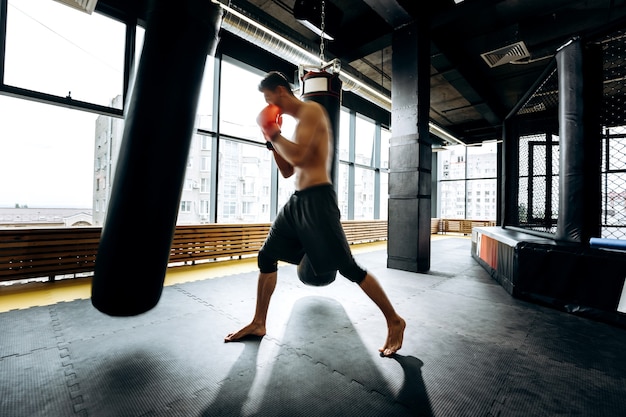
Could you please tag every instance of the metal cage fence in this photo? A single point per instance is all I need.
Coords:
(538, 158)
(537, 193)
(613, 119)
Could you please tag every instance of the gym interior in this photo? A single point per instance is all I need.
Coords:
(526, 317)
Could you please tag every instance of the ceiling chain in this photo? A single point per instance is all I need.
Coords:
(322, 27)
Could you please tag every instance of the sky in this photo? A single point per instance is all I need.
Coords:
(46, 152)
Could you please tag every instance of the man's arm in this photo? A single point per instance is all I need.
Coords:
(297, 152)
(285, 168)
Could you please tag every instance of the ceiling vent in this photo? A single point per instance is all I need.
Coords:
(506, 55)
(87, 6)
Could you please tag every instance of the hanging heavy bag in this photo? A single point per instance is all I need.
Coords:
(306, 274)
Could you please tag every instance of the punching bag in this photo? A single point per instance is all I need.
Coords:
(325, 89)
(308, 276)
(141, 217)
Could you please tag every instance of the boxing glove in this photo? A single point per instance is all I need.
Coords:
(270, 121)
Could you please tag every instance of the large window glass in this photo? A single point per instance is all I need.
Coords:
(58, 50)
(481, 199)
(482, 184)
(243, 183)
(286, 187)
(343, 146)
(452, 163)
(363, 194)
(482, 160)
(342, 189)
(240, 101)
(343, 169)
(205, 102)
(50, 166)
(197, 186)
(452, 199)
(451, 194)
(384, 196)
(385, 136)
(467, 182)
(70, 160)
(362, 182)
(364, 141)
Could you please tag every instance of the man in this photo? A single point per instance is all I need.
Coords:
(310, 221)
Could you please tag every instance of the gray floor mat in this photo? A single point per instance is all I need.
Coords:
(469, 350)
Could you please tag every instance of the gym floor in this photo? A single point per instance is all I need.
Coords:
(470, 349)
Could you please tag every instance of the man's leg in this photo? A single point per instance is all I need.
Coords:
(395, 323)
(265, 289)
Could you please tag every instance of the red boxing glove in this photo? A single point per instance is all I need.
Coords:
(270, 121)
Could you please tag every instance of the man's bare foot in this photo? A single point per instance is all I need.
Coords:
(395, 336)
(251, 330)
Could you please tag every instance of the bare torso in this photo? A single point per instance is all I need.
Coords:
(314, 169)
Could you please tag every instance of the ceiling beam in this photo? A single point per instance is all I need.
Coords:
(391, 12)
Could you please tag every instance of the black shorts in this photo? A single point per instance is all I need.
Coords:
(310, 222)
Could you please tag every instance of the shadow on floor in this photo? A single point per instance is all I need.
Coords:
(296, 384)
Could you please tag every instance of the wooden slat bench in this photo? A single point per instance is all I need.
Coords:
(47, 252)
(435, 226)
(217, 241)
(363, 231)
(464, 226)
(51, 252)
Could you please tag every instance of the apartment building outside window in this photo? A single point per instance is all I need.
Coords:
(231, 176)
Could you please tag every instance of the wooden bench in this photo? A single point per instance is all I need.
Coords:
(363, 231)
(464, 226)
(435, 226)
(52, 252)
(47, 252)
(213, 242)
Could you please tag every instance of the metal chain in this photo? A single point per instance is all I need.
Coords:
(322, 35)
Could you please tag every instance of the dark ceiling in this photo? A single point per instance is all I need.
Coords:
(470, 95)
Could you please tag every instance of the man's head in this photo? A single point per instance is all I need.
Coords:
(273, 80)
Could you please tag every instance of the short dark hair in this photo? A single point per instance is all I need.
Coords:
(273, 80)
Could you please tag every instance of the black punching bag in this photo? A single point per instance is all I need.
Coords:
(137, 234)
(325, 89)
(308, 276)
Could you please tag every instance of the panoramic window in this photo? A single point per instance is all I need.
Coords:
(467, 187)
(383, 209)
(70, 160)
(240, 102)
(243, 167)
(48, 167)
(205, 102)
(55, 49)
(364, 142)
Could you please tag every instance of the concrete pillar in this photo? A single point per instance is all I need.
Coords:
(410, 158)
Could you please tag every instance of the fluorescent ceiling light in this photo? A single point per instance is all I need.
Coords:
(87, 6)
(307, 58)
(315, 29)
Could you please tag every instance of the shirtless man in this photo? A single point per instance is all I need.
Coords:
(310, 221)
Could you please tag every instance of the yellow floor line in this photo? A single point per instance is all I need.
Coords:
(20, 296)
